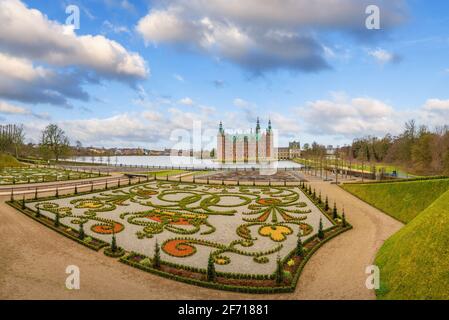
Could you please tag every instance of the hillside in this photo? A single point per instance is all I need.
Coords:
(414, 262)
(401, 200)
(7, 160)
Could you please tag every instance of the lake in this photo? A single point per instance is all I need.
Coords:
(177, 161)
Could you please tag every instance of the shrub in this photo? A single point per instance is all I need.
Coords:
(287, 276)
(146, 262)
(299, 247)
(211, 274)
(113, 243)
(326, 204)
(279, 275)
(157, 256)
(335, 212)
(81, 232)
(57, 220)
(320, 230)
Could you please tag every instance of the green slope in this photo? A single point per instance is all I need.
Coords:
(414, 263)
(7, 161)
(401, 200)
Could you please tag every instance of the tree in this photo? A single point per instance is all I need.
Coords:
(299, 247)
(54, 142)
(18, 139)
(335, 212)
(320, 230)
(212, 153)
(113, 242)
(81, 234)
(326, 204)
(57, 220)
(211, 274)
(343, 218)
(279, 271)
(157, 256)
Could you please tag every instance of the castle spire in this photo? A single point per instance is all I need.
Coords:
(220, 128)
(258, 125)
(269, 125)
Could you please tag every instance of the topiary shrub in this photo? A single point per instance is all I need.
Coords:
(334, 212)
(279, 274)
(211, 274)
(299, 247)
(57, 220)
(320, 230)
(157, 256)
(81, 234)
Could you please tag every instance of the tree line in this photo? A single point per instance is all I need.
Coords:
(53, 144)
(416, 149)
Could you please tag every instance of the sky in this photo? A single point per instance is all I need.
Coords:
(149, 73)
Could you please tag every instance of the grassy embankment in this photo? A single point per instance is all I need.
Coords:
(401, 200)
(414, 262)
(8, 161)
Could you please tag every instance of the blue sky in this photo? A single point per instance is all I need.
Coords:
(314, 70)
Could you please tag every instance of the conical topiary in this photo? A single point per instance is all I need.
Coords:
(320, 230)
(211, 274)
(279, 276)
(157, 256)
(299, 247)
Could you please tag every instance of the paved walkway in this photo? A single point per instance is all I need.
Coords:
(34, 258)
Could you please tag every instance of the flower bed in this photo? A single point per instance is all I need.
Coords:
(243, 229)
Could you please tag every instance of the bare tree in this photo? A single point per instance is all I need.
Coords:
(55, 141)
(18, 138)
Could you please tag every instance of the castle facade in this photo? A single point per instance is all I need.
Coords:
(254, 147)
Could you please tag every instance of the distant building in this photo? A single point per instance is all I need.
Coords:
(292, 151)
(247, 147)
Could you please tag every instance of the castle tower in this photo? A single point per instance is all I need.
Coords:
(257, 139)
(221, 145)
(268, 141)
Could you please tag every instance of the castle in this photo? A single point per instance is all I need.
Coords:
(250, 147)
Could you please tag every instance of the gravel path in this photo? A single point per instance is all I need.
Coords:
(33, 259)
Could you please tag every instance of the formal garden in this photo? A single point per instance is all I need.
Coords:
(21, 175)
(246, 238)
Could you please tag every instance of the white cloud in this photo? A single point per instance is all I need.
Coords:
(437, 105)
(262, 35)
(28, 33)
(434, 112)
(349, 118)
(187, 101)
(21, 80)
(383, 56)
(115, 28)
(238, 102)
(11, 109)
(178, 77)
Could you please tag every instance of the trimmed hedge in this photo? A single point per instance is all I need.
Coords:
(41, 219)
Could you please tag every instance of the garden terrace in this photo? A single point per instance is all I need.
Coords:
(11, 176)
(243, 229)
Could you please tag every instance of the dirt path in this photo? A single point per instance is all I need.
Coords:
(33, 260)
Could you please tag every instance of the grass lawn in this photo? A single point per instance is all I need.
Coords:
(164, 173)
(8, 161)
(414, 262)
(401, 200)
